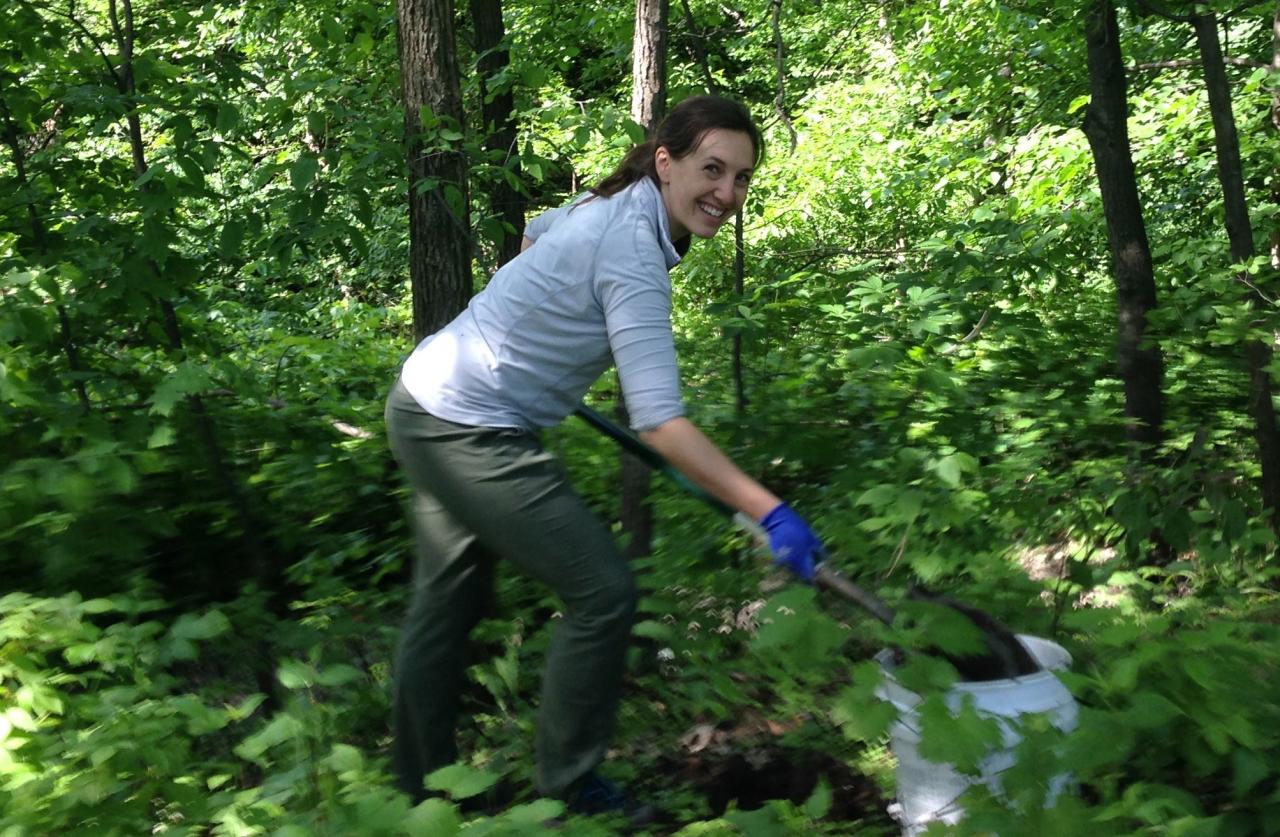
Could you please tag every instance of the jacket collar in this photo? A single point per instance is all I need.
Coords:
(648, 192)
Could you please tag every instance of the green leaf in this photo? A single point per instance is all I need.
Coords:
(189, 378)
(508, 669)
(80, 653)
(962, 740)
(99, 606)
(792, 625)
(231, 238)
(949, 471)
(296, 674)
(864, 720)
(818, 805)
(653, 629)
(228, 116)
(20, 719)
(192, 169)
(344, 758)
(536, 812)
(338, 675)
(281, 728)
(1130, 511)
(942, 627)
(163, 436)
(461, 781)
(433, 818)
(1101, 742)
(196, 628)
(246, 707)
(878, 497)
(764, 822)
(1247, 770)
(303, 171)
(1150, 710)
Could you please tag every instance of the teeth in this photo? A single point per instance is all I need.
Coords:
(711, 210)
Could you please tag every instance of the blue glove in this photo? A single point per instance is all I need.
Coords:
(792, 542)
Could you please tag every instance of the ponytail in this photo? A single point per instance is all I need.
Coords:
(637, 165)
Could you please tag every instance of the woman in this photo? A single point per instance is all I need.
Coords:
(593, 290)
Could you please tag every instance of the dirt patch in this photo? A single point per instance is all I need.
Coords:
(750, 779)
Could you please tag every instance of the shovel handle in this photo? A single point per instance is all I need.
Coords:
(831, 579)
(653, 459)
(826, 578)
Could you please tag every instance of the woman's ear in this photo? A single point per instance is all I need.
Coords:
(662, 162)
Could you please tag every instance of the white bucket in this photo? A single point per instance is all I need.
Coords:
(928, 791)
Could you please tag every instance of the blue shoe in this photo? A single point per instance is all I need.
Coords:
(593, 794)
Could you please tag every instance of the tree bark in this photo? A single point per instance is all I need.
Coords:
(1275, 122)
(648, 107)
(439, 221)
(1240, 234)
(649, 64)
(1141, 367)
(780, 67)
(497, 115)
(739, 288)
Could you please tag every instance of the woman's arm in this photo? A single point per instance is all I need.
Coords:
(697, 457)
(793, 544)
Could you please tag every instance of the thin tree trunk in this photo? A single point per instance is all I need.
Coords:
(780, 66)
(648, 106)
(1141, 366)
(1275, 122)
(439, 221)
(40, 239)
(1240, 234)
(497, 115)
(649, 63)
(739, 288)
(697, 47)
(265, 570)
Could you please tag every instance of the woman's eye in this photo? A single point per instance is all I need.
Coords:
(712, 169)
(744, 180)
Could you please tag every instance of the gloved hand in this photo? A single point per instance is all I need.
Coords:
(792, 542)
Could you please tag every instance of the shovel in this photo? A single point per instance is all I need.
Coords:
(1004, 656)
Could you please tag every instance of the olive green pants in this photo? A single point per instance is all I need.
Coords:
(479, 495)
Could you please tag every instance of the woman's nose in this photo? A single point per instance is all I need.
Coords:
(726, 194)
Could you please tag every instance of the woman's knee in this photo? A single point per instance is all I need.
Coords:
(612, 600)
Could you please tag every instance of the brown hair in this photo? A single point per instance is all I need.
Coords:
(681, 133)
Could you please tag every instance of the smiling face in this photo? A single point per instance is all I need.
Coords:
(703, 189)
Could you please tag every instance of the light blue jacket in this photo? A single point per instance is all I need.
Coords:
(593, 290)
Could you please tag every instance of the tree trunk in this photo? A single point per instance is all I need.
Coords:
(739, 288)
(439, 222)
(1105, 125)
(648, 106)
(780, 67)
(265, 566)
(649, 64)
(1240, 234)
(1275, 122)
(497, 115)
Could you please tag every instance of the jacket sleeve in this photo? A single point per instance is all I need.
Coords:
(543, 222)
(634, 290)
